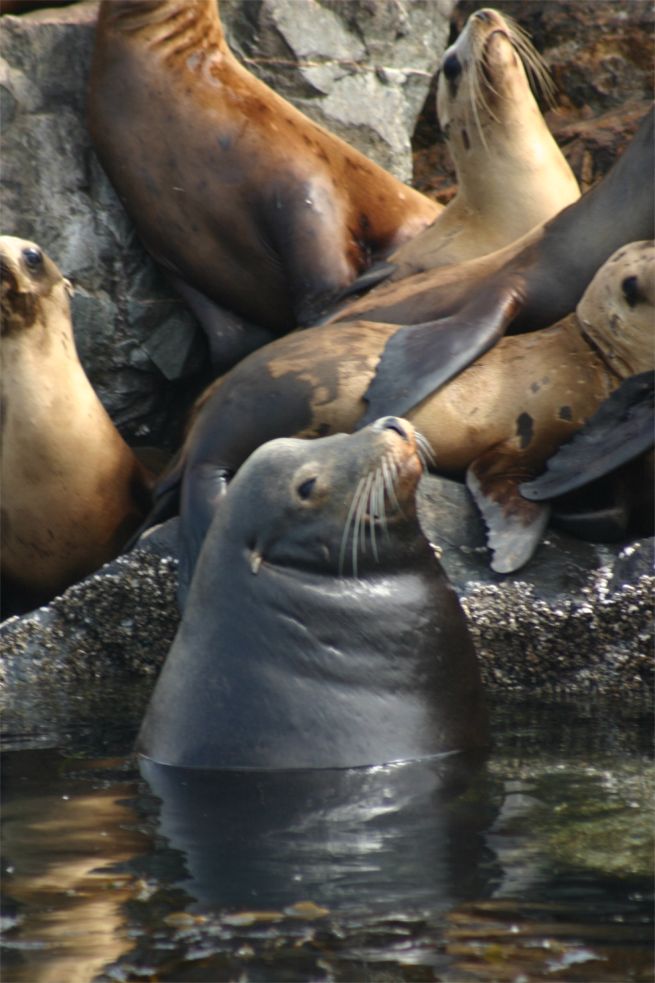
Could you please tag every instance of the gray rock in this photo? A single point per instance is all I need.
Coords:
(363, 68)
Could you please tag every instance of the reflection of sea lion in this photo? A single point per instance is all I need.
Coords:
(406, 837)
(511, 174)
(451, 316)
(241, 197)
(497, 422)
(319, 630)
(72, 491)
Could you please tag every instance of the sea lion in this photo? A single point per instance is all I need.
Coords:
(242, 198)
(511, 175)
(319, 630)
(72, 491)
(448, 317)
(496, 423)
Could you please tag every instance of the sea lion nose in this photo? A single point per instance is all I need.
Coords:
(452, 67)
(484, 15)
(393, 423)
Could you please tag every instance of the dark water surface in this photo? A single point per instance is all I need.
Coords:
(533, 865)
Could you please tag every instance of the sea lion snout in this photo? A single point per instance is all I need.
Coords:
(401, 427)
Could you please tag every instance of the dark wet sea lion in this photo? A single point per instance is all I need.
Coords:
(495, 424)
(242, 198)
(511, 175)
(450, 316)
(319, 630)
(72, 490)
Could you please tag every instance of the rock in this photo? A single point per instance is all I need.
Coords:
(576, 620)
(360, 67)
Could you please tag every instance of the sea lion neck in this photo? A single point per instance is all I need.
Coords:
(174, 24)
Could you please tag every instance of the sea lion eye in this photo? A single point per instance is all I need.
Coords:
(33, 259)
(630, 288)
(305, 489)
(452, 67)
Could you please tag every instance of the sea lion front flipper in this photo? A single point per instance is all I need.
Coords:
(202, 487)
(515, 526)
(418, 359)
(230, 336)
(620, 430)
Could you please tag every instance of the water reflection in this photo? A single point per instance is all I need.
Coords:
(402, 837)
(536, 866)
(62, 838)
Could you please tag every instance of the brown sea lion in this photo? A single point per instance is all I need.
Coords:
(242, 198)
(319, 630)
(72, 491)
(495, 424)
(448, 317)
(511, 175)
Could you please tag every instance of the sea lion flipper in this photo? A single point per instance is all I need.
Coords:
(621, 429)
(204, 484)
(515, 526)
(418, 359)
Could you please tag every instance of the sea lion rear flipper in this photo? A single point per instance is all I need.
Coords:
(621, 429)
(418, 359)
(515, 525)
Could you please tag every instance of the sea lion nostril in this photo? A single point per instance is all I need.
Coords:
(393, 423)
(452, 67)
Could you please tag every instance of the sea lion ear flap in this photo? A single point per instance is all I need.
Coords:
(418, 359)
(69, 286)
(515, 525)
(620, 430)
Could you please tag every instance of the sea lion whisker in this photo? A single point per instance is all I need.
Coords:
(478, 97)
(373, 509)
(362, 508)
(389, 479)
(381, 488)
(424, 451)
(347, 527)
(533, 62)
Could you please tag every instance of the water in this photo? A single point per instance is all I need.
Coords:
(534, 865)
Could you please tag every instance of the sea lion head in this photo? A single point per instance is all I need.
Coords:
(617, 310)
(31, 288)
(482, 78)
(319, 630)
(339, 505)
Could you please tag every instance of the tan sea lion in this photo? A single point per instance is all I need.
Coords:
(448, 317)
(242, 198)
(495, 424)
(319, 630)
(511, 175)
(72, 491)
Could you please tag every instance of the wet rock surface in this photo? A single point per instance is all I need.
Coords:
(577, 619)
(360, 68)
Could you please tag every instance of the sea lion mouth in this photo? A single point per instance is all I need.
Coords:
(534, 65)
(383, 493)
(8, 278)
(18, 308)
